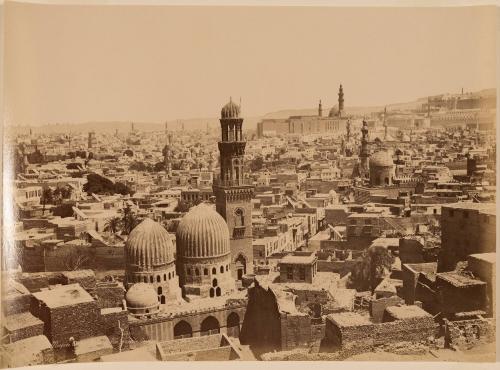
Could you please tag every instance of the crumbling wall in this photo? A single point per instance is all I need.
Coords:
(466, 334)
(378, 306)
(261, 326)
(358, 339)
(109, 295)
(114, 324)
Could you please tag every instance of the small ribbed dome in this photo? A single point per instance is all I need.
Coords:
(334, 112)
(230, 110)
(149, 245)
(202, 232)
(141, 295)
(381, 159)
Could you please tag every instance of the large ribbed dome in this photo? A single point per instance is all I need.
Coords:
(202, 232)
(381, 159)
(149, 245)
(230, 110)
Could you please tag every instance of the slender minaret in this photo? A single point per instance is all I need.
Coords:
(167, 152)
(320, 109)
(385, 124)
(132, 127)
(364, 153)
(233, 192)
(341, 100)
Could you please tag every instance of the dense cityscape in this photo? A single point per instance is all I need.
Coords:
(332, 235)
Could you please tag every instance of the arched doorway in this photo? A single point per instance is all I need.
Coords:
(182, 330)
(233, 325)
(240, 265)
(218, 292)
(212, 292)
(210, 326)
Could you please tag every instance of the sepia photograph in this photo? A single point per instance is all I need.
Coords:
(248, 182)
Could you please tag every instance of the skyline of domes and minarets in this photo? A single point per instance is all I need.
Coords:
(337, 232)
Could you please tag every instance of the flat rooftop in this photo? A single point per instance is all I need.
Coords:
(347, 319)
(489, 208)
(64, 295)
(487, 257)
(407, 312)
(298, 260)
(20, 321)
(459, 280)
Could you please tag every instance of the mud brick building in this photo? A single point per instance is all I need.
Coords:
(483, 266)
(298, 267)
(460, 293)
(16, 298)
(350, 333)
(68, 312)
(21, 326)
(216, 347)
(35, 350)
(466, 228)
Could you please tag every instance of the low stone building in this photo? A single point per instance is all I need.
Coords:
(350, 333)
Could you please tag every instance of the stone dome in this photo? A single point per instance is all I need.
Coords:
(141, 296)
(202, 233)
(381, 159)
(149, 245)
(334, 112)
(230, 110)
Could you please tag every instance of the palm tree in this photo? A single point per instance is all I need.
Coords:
(113, 224)
(129, 220)
(47, 197)
(373, 267)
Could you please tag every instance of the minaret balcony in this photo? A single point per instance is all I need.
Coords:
(239, 232)
(232, 183)
(232, 147)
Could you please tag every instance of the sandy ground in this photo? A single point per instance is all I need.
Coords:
(484, 353)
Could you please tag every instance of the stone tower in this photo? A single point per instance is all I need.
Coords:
(341, 100)
(233, 192)
(320, 109)
(364, 152)
(167, 151)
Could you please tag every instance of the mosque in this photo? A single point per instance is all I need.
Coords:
(186, 285)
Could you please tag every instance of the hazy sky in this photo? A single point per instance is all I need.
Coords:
(156, 63)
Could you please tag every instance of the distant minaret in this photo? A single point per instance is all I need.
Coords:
(428, 107)
(341, 100)
(364, 153)
(348, 130)
(132, 127)
(182, 125)
(385, 124)
(320, 109)
(167, 152)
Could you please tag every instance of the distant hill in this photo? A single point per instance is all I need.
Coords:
(250, 123)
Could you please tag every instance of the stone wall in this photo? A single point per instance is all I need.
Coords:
(79, 321)
(109, 295)
(114, 324)
(357, 339)
(378, 306)
(466, 334)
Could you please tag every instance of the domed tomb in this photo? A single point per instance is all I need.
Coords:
(381, 168)
(142, 300)
(203, 253)
(149, 258)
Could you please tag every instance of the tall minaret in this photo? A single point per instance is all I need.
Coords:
(167, 152)
(364, 153)
(234, 192)
(385, 124)
(320, 109)
(341, 100)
